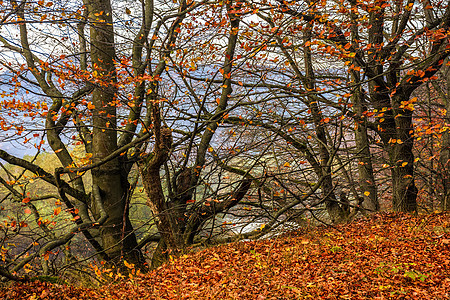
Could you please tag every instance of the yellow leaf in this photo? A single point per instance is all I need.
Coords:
(367, 193)
(128, 265)
(262, 226)
(404, 164)
(287, 165)
(28, 268)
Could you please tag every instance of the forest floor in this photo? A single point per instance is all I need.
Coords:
(389, 256)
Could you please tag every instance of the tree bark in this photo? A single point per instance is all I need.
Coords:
(401, 158)
(117, 238)
(444, 158)
(365, 168)
(335, 211)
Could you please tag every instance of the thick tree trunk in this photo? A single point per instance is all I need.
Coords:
(401, 158)
(395, 122)
(166, 218)
(117, 238)
(444, 158)
(444, 162)
(365, 169)
(396, 132)
(404, 189)
(168, 221)
(160, 255)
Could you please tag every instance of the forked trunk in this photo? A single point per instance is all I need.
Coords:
(117, 236)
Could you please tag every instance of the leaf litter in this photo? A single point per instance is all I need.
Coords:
(387, 256)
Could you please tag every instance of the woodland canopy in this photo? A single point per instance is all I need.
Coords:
(151, 126)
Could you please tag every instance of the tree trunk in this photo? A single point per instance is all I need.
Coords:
(335, 211)
(395, 121)
(168, 221)
(117, 238)
(401, 158)
(365, 169)
(396, 132)
(444, 157)
(444, 162)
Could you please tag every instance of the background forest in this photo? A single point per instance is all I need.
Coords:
(153, 126)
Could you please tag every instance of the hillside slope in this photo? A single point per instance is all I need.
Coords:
(390, 256)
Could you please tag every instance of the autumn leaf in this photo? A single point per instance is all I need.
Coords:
(128, 265)
(380, 245)
(57, 210)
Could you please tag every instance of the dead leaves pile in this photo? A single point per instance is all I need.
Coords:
(390, 256)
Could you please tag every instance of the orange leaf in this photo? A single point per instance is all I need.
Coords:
(56, 211)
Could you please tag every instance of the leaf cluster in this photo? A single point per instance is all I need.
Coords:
(391, 256)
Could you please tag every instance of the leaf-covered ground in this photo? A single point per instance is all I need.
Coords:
(389, 256)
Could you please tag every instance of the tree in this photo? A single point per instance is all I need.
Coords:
(113, 97)
(92, 75)
(226, 113)
(444, 157)
(395, 71)
(383, 52)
